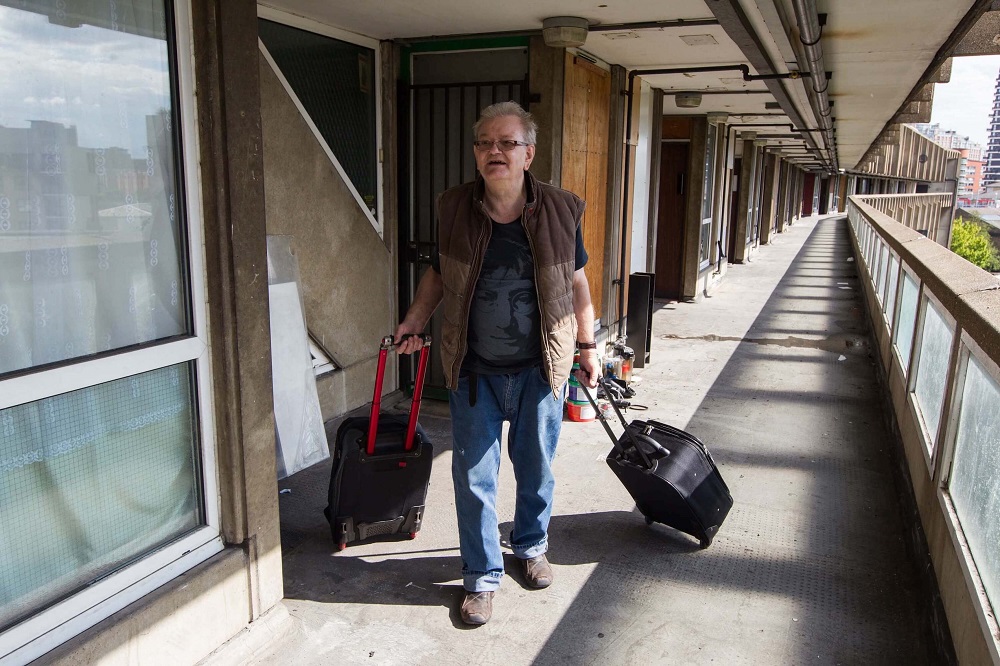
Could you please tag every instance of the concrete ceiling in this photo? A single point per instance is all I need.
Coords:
(877, 50)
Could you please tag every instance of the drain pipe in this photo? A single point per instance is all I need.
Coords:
(747, 76)
(809, 35)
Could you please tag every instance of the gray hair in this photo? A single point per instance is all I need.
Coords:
(500, 109)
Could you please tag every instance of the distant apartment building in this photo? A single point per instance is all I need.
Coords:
(971, 164)
(991, 172)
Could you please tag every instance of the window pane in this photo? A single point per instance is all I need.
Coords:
(975, 477)
(92, 479)
(932, 368)
(90, 230)
(708, 177)
(903, 337)
(335, 81)
(889, 304)
(879, 270)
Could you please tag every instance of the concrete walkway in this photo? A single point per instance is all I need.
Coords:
(773, 373)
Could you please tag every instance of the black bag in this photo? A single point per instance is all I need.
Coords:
(381, 467)
(670, 475)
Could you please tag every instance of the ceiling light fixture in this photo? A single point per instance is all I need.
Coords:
(687, 100)
(564, 31)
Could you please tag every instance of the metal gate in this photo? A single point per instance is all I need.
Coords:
(436, 154)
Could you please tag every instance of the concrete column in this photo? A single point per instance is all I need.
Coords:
(769, 201)
(743, 206)
(230, 138)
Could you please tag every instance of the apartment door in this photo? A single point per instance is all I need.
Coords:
(586, 110)
(674, 157)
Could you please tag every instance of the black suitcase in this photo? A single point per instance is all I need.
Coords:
(670, 475)
(381, 467)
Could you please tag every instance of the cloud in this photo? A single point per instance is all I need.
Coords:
(965, 104)
(103, 82)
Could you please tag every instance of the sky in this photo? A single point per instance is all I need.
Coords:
(102, 82)
(965, 104)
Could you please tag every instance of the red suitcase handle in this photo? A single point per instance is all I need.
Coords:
(418, 389)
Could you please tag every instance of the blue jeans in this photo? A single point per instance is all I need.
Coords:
(535, 415)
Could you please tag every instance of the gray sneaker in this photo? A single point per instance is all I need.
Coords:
(537, 571)
(477, 607)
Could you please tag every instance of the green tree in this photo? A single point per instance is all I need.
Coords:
(971, 241)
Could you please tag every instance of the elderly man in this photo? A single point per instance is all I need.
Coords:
(509, 272)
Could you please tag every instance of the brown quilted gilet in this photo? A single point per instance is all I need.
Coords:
(550, 218)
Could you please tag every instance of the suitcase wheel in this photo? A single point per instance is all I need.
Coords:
(649, 521)
(341, 546)
(705, 543)
(413, 535)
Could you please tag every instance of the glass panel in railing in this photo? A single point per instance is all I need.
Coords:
(903, 337)
(878, 270)
(932, 368)
(884, 274)
(92, 479)
(889, 304)
(975, 476)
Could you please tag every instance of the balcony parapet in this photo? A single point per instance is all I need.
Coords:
(929, 214)
(936, 320)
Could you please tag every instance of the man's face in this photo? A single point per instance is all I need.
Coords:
(498, 166)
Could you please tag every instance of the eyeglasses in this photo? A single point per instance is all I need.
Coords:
(506, 145)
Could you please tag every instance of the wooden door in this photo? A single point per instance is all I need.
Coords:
(674, 186)
(586, 110)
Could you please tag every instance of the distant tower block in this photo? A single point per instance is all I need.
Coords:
(992, 168)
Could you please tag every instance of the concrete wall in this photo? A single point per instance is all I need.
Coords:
(346, 270)
(546, 72)
(969, 294)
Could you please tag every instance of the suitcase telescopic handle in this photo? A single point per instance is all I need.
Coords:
(388, 342)
(621, 417)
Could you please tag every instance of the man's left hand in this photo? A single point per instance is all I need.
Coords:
(590, 368)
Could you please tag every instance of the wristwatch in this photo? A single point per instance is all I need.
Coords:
(586, 345)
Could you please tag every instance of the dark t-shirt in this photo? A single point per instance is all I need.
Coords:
(504, 321)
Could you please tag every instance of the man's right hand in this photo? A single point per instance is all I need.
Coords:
(410, 344)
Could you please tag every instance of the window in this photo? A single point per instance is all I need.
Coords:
(903, 336)
(103, 419)
(335, 84)
(889, 304)
(974, 483)
(932, 369)
(708, 195)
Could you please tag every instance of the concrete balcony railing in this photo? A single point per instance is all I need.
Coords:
(929, 214)
(936, 322)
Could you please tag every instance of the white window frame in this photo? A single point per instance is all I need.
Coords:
(930, 441)
(987, 620)
(904, 269)
(53, 626)
(309, 25)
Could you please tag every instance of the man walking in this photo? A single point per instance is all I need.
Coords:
(509, 276)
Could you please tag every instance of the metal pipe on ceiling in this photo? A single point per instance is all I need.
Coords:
(810, 34)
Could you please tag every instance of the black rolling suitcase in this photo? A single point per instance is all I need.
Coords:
(381, 467)
(670, 475)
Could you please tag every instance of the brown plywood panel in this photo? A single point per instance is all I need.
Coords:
(574, 152)
(595, 226)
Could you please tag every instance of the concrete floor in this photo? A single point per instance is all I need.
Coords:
(774, 373)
